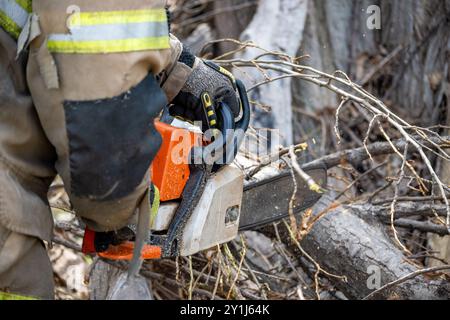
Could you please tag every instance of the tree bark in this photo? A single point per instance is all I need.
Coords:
(230, 26)
(412, 83)
(438, 243)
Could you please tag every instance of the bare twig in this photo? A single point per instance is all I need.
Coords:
(359, 154)
(313, 186)
(406, 278)
(67, 243)
(405, 199)
(340, 83)
(392, 211)
(383, 63)
(423, 226)
(238, 272)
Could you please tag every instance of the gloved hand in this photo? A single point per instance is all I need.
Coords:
(96, 242)
(206, 77)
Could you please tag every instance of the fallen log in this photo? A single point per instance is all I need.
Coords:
(349, 242)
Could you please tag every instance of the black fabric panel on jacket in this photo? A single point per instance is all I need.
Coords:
(113, 141)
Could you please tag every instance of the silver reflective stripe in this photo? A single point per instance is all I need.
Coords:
(114, 32)
(14, 11)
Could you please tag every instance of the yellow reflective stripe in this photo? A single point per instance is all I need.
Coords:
(9, 25)
(109, 46)
(155, 206)
(113, 32)
(117, 17)
(10, 296)
(210, 113)
(25, 4)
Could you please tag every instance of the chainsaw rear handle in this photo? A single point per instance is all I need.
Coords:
(244, 122)
(240, 127)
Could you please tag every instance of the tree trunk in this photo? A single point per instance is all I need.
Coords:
(438, 243)
(412, 83)
(276, 26)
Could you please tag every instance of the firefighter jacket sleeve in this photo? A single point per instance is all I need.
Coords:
(94, 72)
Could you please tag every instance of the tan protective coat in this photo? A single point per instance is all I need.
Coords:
(26, 170)
(33, 136)
(85, 77)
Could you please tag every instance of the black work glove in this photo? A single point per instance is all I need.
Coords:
(97, 242)
(103, 240)
(206, 77)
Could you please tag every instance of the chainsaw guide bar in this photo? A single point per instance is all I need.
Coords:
(267, 201)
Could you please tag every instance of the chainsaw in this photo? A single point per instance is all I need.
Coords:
(203, 199)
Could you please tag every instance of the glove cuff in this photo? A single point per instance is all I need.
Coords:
(175, 77)
(187, 57)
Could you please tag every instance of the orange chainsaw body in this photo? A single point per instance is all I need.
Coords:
(170, 168)
(125, 252)
(170, 172)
